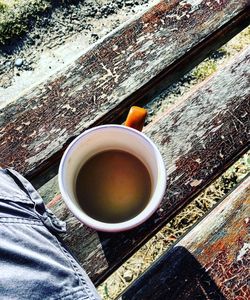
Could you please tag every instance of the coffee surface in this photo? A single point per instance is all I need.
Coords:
(113, 186)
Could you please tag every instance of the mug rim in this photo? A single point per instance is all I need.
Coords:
(150, 208)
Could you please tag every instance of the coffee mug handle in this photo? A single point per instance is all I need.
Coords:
(136, 117)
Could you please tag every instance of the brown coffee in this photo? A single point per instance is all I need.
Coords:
(113, 186)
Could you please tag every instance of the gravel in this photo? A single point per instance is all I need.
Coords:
(18, 62)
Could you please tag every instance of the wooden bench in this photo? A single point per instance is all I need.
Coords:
(199, 137)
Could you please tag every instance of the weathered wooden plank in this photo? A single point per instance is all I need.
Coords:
(198, 139)
(38, 124)
(211, 262)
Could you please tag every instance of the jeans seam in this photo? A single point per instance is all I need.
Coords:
(75, 269)
(66, 294)
(15, 198)
(24, 221)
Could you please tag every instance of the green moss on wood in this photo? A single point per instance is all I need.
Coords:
(205, 69)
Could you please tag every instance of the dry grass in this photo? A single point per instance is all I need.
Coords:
(211, 64)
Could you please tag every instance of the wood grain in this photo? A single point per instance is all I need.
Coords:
(96, 88)
(211, 262)
(198, 138)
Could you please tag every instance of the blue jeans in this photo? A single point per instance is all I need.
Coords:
(34, 264)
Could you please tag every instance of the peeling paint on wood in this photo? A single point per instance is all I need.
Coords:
(39, 124)
(194, 154)
(223, 248)
(211, 262)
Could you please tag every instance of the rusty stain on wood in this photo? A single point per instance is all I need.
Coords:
(211, 262)
(39, 124)
(202, 136)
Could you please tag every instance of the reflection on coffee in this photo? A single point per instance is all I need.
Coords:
(113, 186)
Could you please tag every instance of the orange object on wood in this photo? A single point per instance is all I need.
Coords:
(136, 117)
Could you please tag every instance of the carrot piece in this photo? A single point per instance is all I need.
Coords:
(136, 117)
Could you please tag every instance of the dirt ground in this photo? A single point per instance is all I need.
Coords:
(55, 38)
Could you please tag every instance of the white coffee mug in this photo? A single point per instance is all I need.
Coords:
(110, 137)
